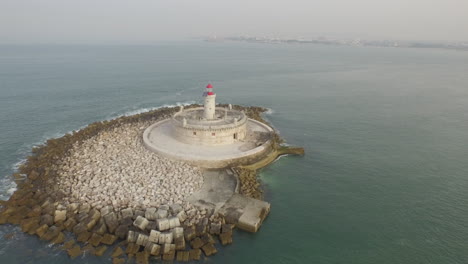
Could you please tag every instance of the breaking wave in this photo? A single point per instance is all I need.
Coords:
(269, 111)
(7, 187)
(140, 110)
(144, 110)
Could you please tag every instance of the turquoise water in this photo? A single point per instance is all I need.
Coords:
(385, 177)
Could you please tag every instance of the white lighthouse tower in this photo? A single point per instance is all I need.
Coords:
(210, 103)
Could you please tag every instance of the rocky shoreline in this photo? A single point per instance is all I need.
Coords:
(103, 186)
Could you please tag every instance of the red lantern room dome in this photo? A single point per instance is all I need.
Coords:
(209, 86)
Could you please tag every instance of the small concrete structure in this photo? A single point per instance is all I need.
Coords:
(220, 193)
(209, 136)
(245, 212)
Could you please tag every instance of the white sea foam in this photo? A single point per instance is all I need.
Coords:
(281, 156)
(148, 109)
(25, 150)
(7, 187)
(269, 111)
(7, 184)
(18, 164)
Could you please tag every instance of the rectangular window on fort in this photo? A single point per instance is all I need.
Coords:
(213, 134)
(194, 133)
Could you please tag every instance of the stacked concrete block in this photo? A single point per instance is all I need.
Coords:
(174, 222)
(153, 249)
(142, 240)
(111, 222)
(176, 208)
(182, 216)
(132, 237)
(132, 248)
(195, 254)
(209, 249)
(168, 248)
(163, 224)
(154, 236)
(150, 214)
(179, 243)
(127, 213)
(189, 233)
(208, 239)
(161, 213)
(106, 210)
(183, 256)
(178, 232)
(215, 228)
(141, 222)
(166, 238)
(197, 243)
(225, 238)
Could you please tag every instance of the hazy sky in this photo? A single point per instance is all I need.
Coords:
(148, 21)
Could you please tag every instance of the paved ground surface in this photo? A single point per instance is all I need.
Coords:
(160, 139)
(218, 187)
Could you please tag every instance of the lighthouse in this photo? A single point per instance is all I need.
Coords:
(210, 103)
(208, 125)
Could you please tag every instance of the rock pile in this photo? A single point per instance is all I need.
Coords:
(171, 236)
(103, 186)
(114, 168)
(167, 232)
(249, 184)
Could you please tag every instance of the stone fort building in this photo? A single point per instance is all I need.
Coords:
(210, 125)
(209, 136)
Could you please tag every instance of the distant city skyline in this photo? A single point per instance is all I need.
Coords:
(150, 21)
(324, 40)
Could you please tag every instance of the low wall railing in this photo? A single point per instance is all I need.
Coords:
(205, 127)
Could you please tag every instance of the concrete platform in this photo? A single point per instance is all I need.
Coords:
(218, 187)
(247, 213)
(219, 192)
(158, 138)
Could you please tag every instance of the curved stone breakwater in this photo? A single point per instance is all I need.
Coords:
(103, 186)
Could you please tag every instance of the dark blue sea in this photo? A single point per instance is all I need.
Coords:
(385, 175)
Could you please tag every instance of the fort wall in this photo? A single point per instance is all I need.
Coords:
(210, 133)
(215, 161)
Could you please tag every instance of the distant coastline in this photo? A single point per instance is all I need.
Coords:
(460, 46)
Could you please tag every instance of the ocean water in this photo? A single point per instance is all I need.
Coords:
(385, 175)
